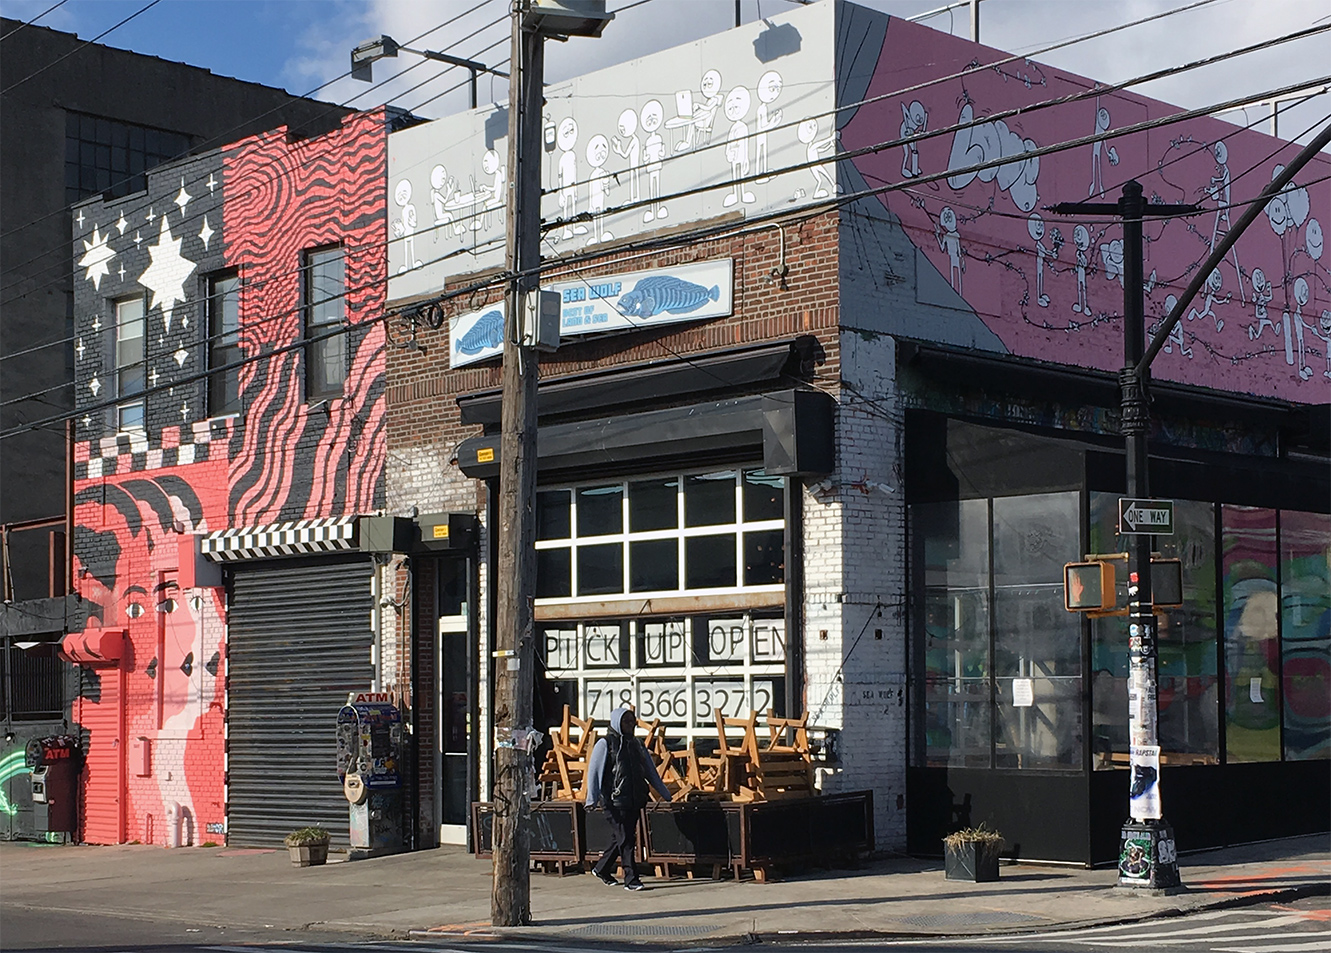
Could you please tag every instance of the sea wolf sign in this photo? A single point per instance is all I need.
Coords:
(1145, 517)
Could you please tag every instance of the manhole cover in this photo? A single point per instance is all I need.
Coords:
(978, 918)
(634, 929)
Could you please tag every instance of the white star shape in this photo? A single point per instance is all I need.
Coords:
(122, 224)
(165, 278)
(122, 271)
(150, 216)
(184, 410)
(181, 356)
(206, 232)
(87, 421)
(96, 322)
(138, 239)
(152, 377)
(211, 183)
(183, 197)
(79, 349)
(97, 255)
(184, 320)
(80, 218)
(95, 386)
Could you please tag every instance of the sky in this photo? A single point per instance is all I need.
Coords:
(300, 45)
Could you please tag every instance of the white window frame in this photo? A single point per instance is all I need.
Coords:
(141, 401)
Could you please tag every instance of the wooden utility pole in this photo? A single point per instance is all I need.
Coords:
(510, 899)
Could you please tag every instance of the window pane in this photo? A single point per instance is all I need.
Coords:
(600, 510)
(1248, 568)
(129, 380)
(553, 573)
(764, 496)
(764, 558)
(130, 416)
(653, 504)
(325, 286)
(653, 565)
(955, 719)
(1045, 734)
(552, 514)
(327, 366)
(600, 569)
(1305, 611)
(709, 499)
(709, 561)
(224, 309)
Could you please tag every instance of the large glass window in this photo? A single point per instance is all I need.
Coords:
(1187, 684)
(223, 344)
(325, 313)
(111, 158)
(624, 538)
(131, 368)
(1252, 646)
(998, 682)
(1305, 630)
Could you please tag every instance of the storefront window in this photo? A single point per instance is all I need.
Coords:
(1251, 610)
(677, 533)
(1305, 628)
(1187, 683)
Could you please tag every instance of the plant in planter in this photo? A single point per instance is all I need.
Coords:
(308, 846)
(972, 854)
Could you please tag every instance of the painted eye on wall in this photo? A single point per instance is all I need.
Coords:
(196, 602)
(134, 610)
(151, 670)
(166, 605)
(187, 666)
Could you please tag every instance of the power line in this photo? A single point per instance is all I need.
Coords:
(194, 217)
(81, 47)
(33, 21)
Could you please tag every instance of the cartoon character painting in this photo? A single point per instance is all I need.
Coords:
(627, 146)
(737, 145)
(1261, 297)
(949, 241)
(914, 120)
(405, 227)
(653, 153)
(567, 138)
(824, 173)
(767, 118)
(598, 185)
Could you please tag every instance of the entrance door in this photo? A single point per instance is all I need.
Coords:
(453, 761)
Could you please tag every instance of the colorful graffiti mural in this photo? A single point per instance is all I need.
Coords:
(155, 720)
(1051, 287)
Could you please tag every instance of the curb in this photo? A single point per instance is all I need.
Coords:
(553, 935)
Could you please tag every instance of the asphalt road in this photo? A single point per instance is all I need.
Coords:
(1300, 927)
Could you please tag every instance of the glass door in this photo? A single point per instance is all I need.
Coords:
(455, 681)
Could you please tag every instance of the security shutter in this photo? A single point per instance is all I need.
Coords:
(299, 640)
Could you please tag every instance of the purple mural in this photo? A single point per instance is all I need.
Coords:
(1050, 287)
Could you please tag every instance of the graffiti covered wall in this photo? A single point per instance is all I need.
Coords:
(995, 269)
(154, 724)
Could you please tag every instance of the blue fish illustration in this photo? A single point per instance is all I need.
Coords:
(486, 333)
(665, 293)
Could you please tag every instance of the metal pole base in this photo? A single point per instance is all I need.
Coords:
(1147, 857)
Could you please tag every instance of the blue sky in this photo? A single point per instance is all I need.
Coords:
(299, 44)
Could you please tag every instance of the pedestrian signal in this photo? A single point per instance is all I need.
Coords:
(1167, 583)
(1088, 587)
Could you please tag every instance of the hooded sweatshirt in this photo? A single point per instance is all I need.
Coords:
(620, 770)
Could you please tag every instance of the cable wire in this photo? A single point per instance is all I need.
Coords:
(33, 21)
(80, 48)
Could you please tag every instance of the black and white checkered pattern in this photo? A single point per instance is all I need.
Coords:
(171, 447)
(298, 538)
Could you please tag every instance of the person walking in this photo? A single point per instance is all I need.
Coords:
(618, 776)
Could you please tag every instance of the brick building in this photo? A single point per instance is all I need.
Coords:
(821, 434)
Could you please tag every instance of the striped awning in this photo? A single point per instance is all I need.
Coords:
(297, 538)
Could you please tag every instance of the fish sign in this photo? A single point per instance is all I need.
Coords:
(645, 299)
(476, 336)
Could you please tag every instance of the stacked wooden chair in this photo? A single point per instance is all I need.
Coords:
(780, 766)
(564, 773)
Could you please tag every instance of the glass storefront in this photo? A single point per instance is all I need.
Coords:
(716, 537)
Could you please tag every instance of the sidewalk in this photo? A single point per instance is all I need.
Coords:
(447, 891)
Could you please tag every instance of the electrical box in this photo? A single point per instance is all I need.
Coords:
(1088, 587)
(140, 756)
(540, 320)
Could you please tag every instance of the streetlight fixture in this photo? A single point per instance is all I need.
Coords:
(364, 56)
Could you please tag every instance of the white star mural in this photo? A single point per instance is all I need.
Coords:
(165, 278)
(79, 349)
(206, 232)
(181, 356)
(121, 224)
(211, 183)
(80, 218)
(183, 197)
(150, 216)
(96, 322)
(87, 421)
(97, 255)
(184, 410)
(95, 386)
(122, 271)
(138, 239)
(152, 377)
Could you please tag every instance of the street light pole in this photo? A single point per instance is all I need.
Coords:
(1147, 854)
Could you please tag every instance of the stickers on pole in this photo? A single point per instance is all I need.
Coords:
(1144, 794)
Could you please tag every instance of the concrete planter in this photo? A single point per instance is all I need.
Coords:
(308, 855)
(972, 861)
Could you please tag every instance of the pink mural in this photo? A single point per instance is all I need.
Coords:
(1050, 286)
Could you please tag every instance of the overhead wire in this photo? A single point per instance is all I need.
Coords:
(81, 47)
(55, 6)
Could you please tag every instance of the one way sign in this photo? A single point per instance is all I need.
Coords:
(1149, 517)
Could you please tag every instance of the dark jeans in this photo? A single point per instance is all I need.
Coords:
(623, 838)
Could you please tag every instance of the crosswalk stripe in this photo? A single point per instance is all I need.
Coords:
(1323, 945)
(1190, 932)
(1092, 931)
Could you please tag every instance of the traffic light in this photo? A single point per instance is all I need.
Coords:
(1167, 583)
(1088, 587)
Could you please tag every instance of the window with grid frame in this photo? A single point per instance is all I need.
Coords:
(325, 314)
(223, 346)
(33, 683)
(110, 158)
(130, 363)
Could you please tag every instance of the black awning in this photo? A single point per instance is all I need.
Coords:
(791, 429)
(642, 384)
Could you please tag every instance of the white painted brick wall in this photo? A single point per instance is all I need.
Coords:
(855, 588)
